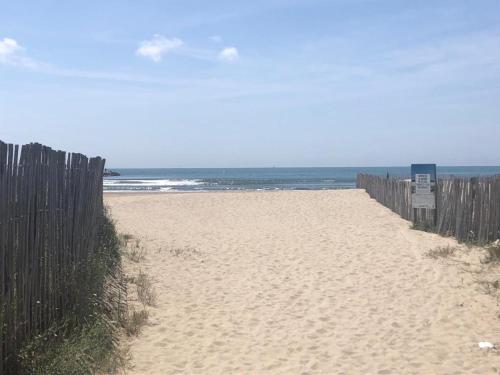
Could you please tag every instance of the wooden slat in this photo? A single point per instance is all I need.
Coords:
(50, 207)
(468, 209)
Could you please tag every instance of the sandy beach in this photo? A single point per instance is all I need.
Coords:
(299, 282)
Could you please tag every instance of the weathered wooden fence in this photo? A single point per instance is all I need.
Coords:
(467, 208)
(50, 207)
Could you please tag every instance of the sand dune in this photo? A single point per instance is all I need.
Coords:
(290, 282)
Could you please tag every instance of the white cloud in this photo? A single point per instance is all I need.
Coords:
(8, 47)
(216, 38)
(155, 48)
(229, 54)
(11, 53)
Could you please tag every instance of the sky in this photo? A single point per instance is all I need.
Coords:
(256, 83)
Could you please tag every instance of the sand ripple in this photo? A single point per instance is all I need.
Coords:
(316, 282)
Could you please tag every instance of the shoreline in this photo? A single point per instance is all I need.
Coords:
(157, 192)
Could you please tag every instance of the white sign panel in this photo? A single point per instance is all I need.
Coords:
(423, 183)
(423, 201)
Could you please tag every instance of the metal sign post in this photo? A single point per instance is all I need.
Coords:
(423, 188)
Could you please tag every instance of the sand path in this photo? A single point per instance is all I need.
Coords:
(318, 282)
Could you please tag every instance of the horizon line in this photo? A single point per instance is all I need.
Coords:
(277, 167)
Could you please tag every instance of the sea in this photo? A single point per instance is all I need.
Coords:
(215, 179)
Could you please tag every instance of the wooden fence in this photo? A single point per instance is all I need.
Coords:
(50, 207)
(467, 208)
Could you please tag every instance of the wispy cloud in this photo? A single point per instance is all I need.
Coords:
(229, 54)
(215, 38)
(475, 50)
(14, 55)
(11, 53)
(157, 47)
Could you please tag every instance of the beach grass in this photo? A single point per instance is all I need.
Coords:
(145, 290)
(441, 252)
(135, 252)
(86, 341)
(135, 321)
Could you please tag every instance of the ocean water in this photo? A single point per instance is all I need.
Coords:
(206, 179)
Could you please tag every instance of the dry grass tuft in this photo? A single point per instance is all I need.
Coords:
(145, 290)
(441, 252)
(184, 252)
(136, 252)
(490, 287)
(135, 321)
(493, 250)
(423, 226)
(124, 238)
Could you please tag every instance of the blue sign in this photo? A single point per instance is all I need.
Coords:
(423, 169)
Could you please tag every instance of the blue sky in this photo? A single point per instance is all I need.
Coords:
(254, 83)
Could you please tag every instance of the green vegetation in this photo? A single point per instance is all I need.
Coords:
(86, 342)
(82, 350)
